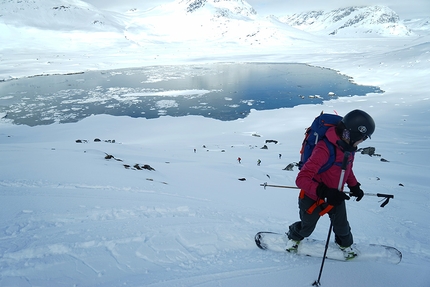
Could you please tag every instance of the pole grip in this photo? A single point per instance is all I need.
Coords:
(387, 198)
(345, 159)
(342, 174)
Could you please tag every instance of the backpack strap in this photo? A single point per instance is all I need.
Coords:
(332, 156)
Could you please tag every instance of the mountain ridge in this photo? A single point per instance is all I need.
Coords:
(359, 20)
(64, 15)
(223, 7)
(207, 20)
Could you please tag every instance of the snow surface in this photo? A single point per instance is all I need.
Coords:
(70, 217)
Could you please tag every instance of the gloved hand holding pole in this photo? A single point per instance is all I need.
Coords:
(387, 197)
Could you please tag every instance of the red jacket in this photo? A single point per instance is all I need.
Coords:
(308, 177)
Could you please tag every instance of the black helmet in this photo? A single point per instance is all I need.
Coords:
(360, 125)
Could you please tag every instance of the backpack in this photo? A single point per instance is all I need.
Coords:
(314, 134)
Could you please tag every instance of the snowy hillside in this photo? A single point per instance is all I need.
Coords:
(214, 21)
(29, 33)
(201, 20)
(418, 25)
(350, 21)
(229, 8)
(78, 209)
(57, 15)
(176, 22)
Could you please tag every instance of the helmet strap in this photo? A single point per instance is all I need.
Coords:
(346, 146)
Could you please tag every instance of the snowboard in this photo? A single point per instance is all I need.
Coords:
(311, 247)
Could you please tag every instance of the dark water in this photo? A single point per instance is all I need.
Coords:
(224, 91)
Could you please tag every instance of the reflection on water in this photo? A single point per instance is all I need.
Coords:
(224, 91)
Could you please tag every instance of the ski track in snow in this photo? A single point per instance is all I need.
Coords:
(156, 238)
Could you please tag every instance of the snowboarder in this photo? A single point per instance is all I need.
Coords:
(258, 162)
(239, 159)
(280, 156)
(319, 191)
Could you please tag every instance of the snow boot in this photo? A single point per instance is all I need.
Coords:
(292, 245)
(348, 252)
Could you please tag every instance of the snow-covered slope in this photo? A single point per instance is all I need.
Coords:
(72, 36)
(208, 20)
(57, 15)
(350, 21)
(71, 216)
(220, 8)
(176, 22)
(220, 20)
(418, 25)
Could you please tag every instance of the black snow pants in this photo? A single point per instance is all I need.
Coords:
(304, 228)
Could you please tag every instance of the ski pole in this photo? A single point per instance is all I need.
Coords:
(280, 186)
(339, 187)
(387, 197)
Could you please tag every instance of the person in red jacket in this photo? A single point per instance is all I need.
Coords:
(319, 191)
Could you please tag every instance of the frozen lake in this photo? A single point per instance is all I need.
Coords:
(224, 91)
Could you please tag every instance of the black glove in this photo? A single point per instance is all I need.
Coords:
(332, 195)
(356, 191)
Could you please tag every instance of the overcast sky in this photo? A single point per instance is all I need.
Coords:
(404, 8)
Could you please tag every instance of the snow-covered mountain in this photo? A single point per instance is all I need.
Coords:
(58, 15)
(350, 21)
(234, 21)
(76, 211)
(221, 8)
(418, 25)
